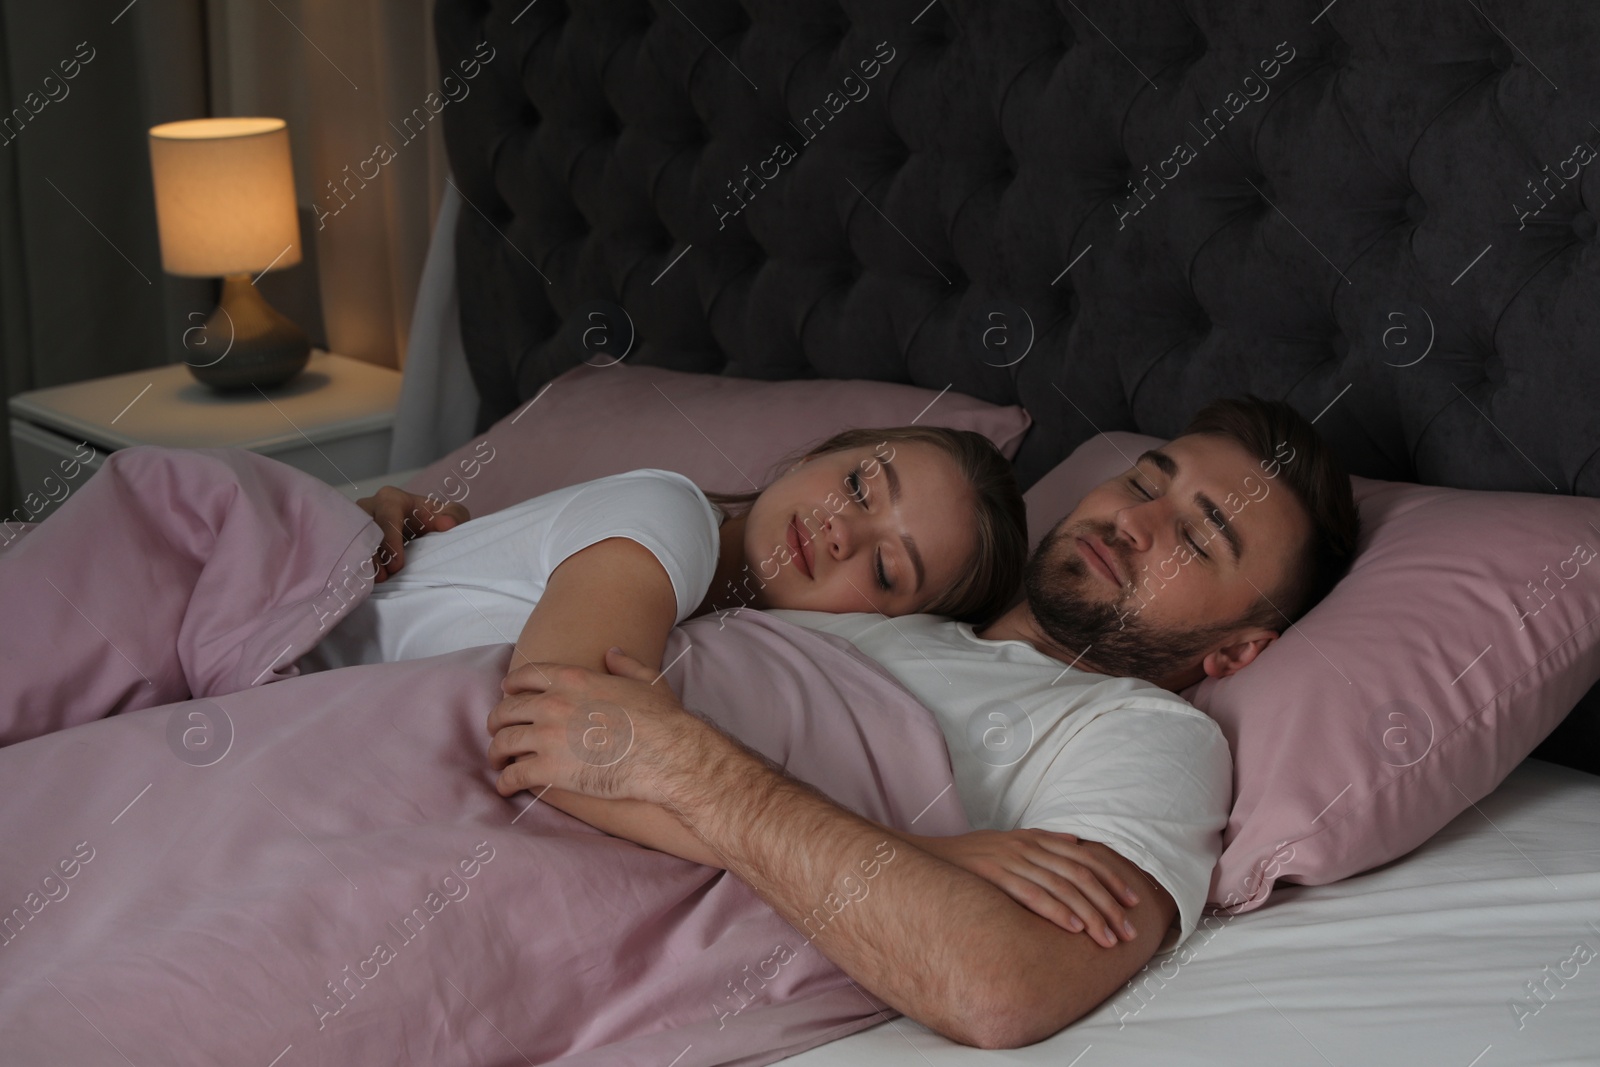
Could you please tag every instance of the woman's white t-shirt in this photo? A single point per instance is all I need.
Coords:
(477, 583)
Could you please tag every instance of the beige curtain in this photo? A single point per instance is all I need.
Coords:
(354, 80)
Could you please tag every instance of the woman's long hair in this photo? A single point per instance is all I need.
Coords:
(984, 589)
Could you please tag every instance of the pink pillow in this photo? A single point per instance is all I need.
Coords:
(1408, 693)
(723, 433)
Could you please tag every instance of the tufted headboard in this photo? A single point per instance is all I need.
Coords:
(1108, 211)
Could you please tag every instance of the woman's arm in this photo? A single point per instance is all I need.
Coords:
(615, 592)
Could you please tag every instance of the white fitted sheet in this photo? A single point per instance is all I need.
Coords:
(1416, 963)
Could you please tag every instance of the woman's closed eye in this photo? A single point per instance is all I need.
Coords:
(852, 482)
(858, 491)
(883, 577)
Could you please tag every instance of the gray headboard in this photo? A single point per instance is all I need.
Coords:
(1108, 211)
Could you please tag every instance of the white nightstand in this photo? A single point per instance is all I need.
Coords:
(333, 421)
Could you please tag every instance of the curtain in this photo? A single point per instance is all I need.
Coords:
(354, 80)
(82, 292)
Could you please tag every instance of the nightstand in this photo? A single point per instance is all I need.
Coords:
(333, 421)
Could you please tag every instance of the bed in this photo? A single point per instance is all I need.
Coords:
(1352, 235)
(1427, 960)
(1381, 217)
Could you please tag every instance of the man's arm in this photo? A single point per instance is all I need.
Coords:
(613, 592)
(937, 943)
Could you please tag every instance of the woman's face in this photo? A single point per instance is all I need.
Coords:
(885, 528)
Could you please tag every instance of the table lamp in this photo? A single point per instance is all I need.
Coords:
(225, 205)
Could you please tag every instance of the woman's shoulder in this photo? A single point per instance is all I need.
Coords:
(640, 491)
(647, 480)
(662, 495)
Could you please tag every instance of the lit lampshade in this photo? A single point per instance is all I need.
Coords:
(225, 205)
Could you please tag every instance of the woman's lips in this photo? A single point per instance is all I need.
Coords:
(800, 548)
(1098, 562)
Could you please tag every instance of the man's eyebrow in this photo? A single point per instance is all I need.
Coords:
(893, 478)
(1164, 463)
(1216, 517)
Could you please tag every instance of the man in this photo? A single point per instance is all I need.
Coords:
(1059, 720)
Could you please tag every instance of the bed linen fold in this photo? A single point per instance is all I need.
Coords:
(319, 870)
(169, 574)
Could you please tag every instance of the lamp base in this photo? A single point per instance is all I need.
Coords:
(246, 342)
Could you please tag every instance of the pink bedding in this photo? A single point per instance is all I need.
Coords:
(242, 866)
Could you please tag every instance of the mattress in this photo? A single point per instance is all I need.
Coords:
(1479, 949)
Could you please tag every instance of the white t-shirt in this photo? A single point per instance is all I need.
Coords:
(477, 583)
(1034, 743)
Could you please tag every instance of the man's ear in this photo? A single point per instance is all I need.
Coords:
(1235, 657)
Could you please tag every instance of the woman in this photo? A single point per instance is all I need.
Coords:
(896, 521)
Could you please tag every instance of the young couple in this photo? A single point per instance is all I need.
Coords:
(1098, 796)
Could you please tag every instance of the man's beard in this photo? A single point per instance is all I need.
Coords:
(1107, 636)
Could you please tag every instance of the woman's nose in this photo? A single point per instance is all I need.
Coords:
(836, 533)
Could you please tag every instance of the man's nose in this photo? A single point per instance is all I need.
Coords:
(1136, 525)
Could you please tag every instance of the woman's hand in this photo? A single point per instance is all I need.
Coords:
(402, 516)
(1048, 873)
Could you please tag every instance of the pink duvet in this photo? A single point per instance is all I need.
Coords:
(242, 866)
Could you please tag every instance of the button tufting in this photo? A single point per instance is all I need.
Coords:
(1584, 226)
(831, 39)
(895, 151)
(1416, 209)
(934, 25)
(1500, 55)
(1338, 54)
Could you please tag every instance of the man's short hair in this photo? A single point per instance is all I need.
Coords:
(1277, 434)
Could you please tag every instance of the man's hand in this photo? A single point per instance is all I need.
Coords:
(402, 516)
(1049, 873)
(935, 941)
(598, 735)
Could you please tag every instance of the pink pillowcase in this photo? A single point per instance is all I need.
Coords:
(1464, 632)
(722, 433)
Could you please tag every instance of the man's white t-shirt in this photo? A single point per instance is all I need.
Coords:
(1035, 743)
(477, 583)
